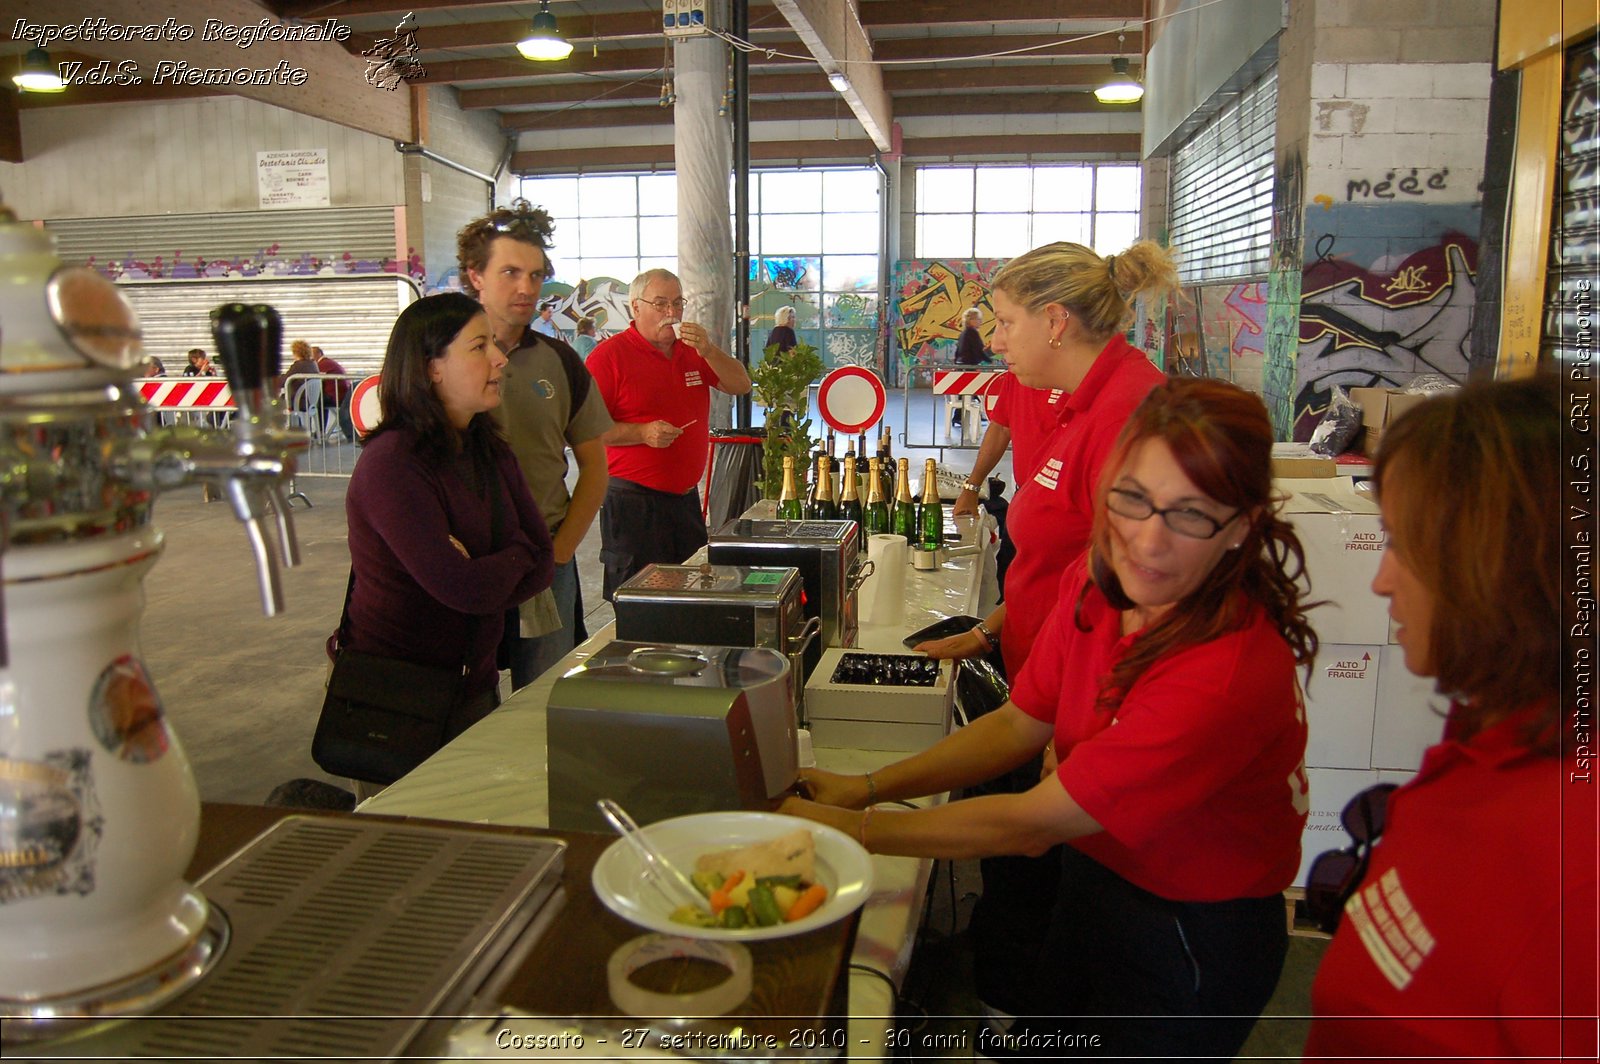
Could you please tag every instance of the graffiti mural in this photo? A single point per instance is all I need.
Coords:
(1376, 308)
(930, 297)
(851, 349)
(273, 261)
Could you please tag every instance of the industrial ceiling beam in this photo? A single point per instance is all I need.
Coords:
(830, 29)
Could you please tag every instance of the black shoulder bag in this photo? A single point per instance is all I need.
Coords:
(382, 717)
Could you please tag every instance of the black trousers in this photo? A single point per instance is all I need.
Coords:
(1124, 972)
(639, 525)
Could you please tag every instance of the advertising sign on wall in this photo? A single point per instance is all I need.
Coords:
(291, 179)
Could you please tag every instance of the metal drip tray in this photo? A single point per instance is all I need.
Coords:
(347, 937)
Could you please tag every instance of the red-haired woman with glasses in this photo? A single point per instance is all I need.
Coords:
(1166, 681)
(1473, 928)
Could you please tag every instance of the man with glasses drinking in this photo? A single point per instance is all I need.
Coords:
(656, 378)
(548, 403)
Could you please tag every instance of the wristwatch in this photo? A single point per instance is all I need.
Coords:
(988, 636)
(967, 485)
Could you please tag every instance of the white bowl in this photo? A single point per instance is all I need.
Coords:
(842, 866)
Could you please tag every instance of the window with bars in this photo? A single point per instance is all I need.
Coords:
(999, 212)
(1220, 203)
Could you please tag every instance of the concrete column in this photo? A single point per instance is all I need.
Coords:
(703, 150)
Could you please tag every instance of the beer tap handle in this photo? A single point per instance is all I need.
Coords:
(250, 341)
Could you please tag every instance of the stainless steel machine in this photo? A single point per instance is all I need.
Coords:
(668, 730)
(723, 605)
(828, 555)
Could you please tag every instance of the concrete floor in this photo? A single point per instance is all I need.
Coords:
(242, 691)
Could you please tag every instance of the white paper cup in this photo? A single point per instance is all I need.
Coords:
(677, 329)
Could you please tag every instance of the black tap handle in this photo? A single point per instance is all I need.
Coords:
(250, 341)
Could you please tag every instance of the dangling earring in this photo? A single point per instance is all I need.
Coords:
(1055, 341)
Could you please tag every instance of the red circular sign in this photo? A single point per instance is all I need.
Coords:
(365, 413)
(851, 399)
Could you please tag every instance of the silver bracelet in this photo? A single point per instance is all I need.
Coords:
(988, 636)
(967, 485)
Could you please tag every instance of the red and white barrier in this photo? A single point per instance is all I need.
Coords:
(969, 382)
(185, 393)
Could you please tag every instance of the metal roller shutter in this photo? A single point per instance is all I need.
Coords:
(364, 233)
(349, 317)
(1221, 190)
(1575, 232)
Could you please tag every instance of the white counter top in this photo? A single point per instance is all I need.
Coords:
(495, 773)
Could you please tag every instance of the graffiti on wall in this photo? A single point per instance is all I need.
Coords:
(930, 297)
(273, 261)
(852, 349)
(1378, 308)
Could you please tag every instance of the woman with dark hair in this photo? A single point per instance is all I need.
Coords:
(1165, 680)
(444, 537)
(1472, 930)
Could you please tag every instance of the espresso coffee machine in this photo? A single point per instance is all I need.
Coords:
(99, 812)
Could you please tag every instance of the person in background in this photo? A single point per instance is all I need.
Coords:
(1166, 683)
(782, 333)
(302, 395)
(546, 325)
(153, 367)
(549, 404)
(444, 537)
(657, 388)
(336, 393)
(1471, 932)
(585, 341)
(199, 364)
(1057, 312)
(969, 347)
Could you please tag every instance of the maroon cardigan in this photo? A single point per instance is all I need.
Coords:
(414, 592)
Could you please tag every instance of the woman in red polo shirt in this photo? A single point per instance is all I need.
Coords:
(1166, 682)
(1472, 931)
(1058, 311)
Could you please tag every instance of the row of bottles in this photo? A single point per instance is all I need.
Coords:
(920, 522)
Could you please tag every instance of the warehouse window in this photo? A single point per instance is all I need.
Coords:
(999, 212)
(814, 236)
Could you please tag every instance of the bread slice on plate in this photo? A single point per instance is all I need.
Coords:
(794, 854)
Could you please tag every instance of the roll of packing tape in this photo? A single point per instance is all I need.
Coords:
(635, 1000)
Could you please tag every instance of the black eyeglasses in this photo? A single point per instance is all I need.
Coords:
(1181, 519)
(1337, 874)
(661, 305)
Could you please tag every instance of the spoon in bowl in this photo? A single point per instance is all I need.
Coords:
(658, 871)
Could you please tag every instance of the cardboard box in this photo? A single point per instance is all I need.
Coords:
(1409, 717)
(1379, 408)
(1341, 699)
(1296, 460)
(1343, 540)
(877, 717)
(1331, 790)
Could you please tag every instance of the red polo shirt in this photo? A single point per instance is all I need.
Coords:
(1031, 414)
(640, 385)
(1475, 924)
(1050, 517)
(1198, 776)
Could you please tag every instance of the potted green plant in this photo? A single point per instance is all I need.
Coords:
(780, 382)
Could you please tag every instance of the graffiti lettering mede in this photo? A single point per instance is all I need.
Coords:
(1408, 279)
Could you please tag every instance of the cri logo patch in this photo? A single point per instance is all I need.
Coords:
(545, 388)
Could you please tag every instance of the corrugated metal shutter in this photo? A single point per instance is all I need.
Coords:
(1221, 190)
(1575, 233)
(349, 317)
(364, 233)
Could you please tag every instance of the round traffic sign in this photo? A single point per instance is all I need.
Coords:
(365, 413)
(851, 399)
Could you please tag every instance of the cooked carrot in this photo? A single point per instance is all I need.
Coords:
(720, 898)
(807, 902)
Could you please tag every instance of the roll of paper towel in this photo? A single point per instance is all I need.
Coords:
(885, 589)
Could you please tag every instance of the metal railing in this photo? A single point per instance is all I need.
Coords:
(309, 408)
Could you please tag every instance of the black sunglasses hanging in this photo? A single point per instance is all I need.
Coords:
(1336, 875)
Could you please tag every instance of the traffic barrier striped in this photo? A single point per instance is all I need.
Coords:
(969, 382)
(186, 393)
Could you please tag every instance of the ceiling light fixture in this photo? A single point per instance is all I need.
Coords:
(1121, 88)
(544, 41)
(839, 82)
(38, 74)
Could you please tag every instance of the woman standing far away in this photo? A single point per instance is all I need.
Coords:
(444, 537)
(1468, 930)
(782, 332)
(585, 340)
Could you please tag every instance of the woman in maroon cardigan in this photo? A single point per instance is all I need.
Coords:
(444, 536)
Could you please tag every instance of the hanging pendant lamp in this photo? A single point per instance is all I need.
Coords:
(544, 41)
(38, 74)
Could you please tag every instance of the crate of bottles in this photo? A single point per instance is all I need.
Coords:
(865, 700)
